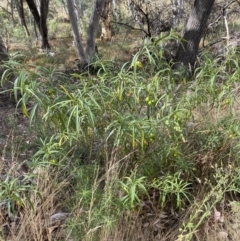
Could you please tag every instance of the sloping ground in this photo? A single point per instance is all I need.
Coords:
(7, 117)
(222, 224)
(14, 138)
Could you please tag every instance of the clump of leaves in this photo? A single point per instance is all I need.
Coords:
(173, 188)
(134, 189)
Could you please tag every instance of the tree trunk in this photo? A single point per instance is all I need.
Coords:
(12, 12)
(78, 8)
(197, 21)
(181, 3)
(3, 51)
(44, 4)
(115, 13)
(77, 38)
(33, 8)
(92, 29)
(19, 5)
(3, 57)
(106, 18)
(35, 31)
(133, 9)
(175, 11)
(41, 19)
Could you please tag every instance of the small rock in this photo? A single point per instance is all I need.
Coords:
(58, 217)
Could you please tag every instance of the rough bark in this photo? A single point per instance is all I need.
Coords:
(78, 8)
(19, 5)
(3, 51)
(106, 18)
(12, 12)
(77, 38)
(3, 56)
(92, 29)
(197, 21)
(44, 4)
(41, 19)
(33, 8)
(115, 13)
(134, 9)
(177, 10)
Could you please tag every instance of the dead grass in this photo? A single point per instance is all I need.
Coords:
(32, 221)
(35, 222)
(119, 50)
(222, 224)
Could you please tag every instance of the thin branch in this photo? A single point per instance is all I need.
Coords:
(5, 10)
(129, 26)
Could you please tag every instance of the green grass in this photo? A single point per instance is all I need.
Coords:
(130, 143)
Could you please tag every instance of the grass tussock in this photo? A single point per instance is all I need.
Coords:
(136, 151)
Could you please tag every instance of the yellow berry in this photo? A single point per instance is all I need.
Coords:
(139, 64)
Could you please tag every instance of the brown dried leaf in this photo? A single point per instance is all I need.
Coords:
(223, 235)
(156, 222)
(163, 215)
(217, 215)
(145, 225)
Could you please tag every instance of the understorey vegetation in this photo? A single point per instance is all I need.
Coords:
(138, 151)
(130, 132)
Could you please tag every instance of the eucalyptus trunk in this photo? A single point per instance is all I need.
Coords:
(106, 18)
(77, 38)
(3, 57)
(41, 20)
(92, 29)
(44, 4)
(196, 24)
(3, 51)
(19, 5)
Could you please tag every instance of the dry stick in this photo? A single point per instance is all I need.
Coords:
(224, 15)
(5, 10)
(225, 19)
(227, 29)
